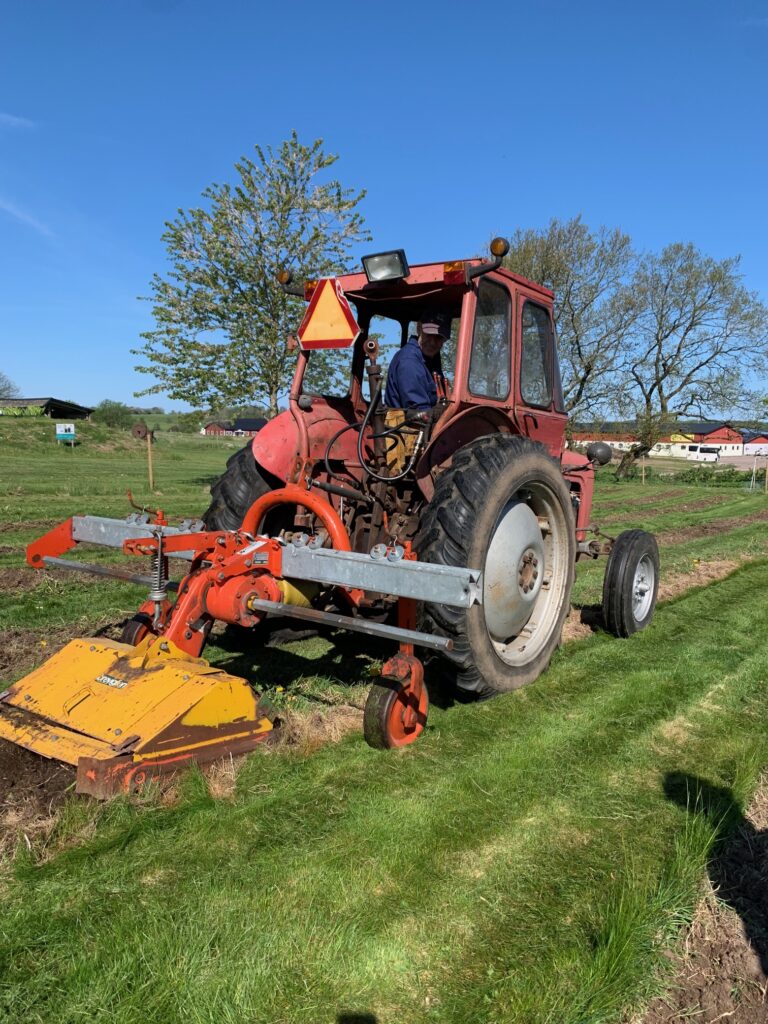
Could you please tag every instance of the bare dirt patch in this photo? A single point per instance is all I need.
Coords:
(650, 499)
(707, 529)
(690, 506)
(22, 649)
(581, 623)
(31, 790)
(702, 574)
(29, 524)
(308, 731)
(722, 969)
(19, 579)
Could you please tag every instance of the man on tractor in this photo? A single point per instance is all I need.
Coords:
(415, 377)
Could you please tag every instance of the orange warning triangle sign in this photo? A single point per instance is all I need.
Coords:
(329, 321)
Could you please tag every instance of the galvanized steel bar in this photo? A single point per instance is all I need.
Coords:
(113, 572)
(407, 636)
(440, 584)
(111, 533)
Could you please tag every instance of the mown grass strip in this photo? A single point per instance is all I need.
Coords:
(521, 863)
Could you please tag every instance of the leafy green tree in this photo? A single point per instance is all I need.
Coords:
(190, 422)
(113, 414)
(221, 318)
(699, 337)
(7, 388)
(594, 311)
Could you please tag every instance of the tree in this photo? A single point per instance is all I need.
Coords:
(113, 414)
(7, 388)
(222, 319)
(699, 335)
(588, 271)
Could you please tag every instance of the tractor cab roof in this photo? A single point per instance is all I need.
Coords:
(427, 284)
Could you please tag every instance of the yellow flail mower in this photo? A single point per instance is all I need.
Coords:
(122, 712)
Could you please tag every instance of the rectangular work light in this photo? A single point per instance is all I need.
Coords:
(386, 266)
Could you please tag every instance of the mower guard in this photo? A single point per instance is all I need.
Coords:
(121, 714)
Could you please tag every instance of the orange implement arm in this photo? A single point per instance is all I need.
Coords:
(54, 543)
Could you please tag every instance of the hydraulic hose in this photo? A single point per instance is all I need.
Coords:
(366, 420)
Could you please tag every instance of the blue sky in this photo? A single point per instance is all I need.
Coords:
(462, 121)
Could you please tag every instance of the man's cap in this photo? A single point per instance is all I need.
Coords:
(436, 323)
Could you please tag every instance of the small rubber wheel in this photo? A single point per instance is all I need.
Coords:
(631, 583)
(136, 629)
(394, 715)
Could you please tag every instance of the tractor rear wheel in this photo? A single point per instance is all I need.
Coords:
(235, 491)
(502, 507)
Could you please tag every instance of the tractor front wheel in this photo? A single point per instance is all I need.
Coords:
(502, 507)
(631, 583)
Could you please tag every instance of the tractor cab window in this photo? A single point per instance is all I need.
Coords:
(490, 361)
(537, 356)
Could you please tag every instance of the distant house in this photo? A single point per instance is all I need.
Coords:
(216, 429)
(248, 427)
(54, 407)
(755, 442)
(243, 427)
(720, 435)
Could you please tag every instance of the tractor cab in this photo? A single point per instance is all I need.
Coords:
(499, 367)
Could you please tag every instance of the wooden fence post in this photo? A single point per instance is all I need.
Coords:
(150, 469)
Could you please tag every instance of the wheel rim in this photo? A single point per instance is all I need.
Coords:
(642, 588)
(526, 571)
(406, 715)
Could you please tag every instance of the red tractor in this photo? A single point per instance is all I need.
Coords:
(463, 522)
(483, 481)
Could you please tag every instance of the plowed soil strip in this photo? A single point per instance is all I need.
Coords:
(630, 515)
(713, 526)
(28, 524)
(650, 499)
(582, 622)
(721, 971)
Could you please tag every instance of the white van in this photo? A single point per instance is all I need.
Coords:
(703, 453)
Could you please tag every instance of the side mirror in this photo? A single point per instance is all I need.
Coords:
(599, 452)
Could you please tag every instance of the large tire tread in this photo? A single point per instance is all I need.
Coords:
(236, 489)
(446, 535)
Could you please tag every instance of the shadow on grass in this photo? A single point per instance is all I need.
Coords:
(357, 1018)
(738, 865)
(591, 615)
(266, 653)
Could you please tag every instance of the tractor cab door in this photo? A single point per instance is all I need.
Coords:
(539, 406)
(489, 374)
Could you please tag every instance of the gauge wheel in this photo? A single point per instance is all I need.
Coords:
(395, 715)
(631, 583)
(502, 507)
(136, 629)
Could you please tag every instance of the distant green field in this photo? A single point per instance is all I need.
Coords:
(523, 862)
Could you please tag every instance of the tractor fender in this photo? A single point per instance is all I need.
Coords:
(458, 432)
(276, 447)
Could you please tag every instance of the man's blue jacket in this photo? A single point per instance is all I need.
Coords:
(410, 384)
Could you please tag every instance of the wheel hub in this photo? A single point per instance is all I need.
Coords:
(514, 571)
(642, 588)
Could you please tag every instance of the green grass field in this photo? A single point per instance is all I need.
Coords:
(530, 859)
